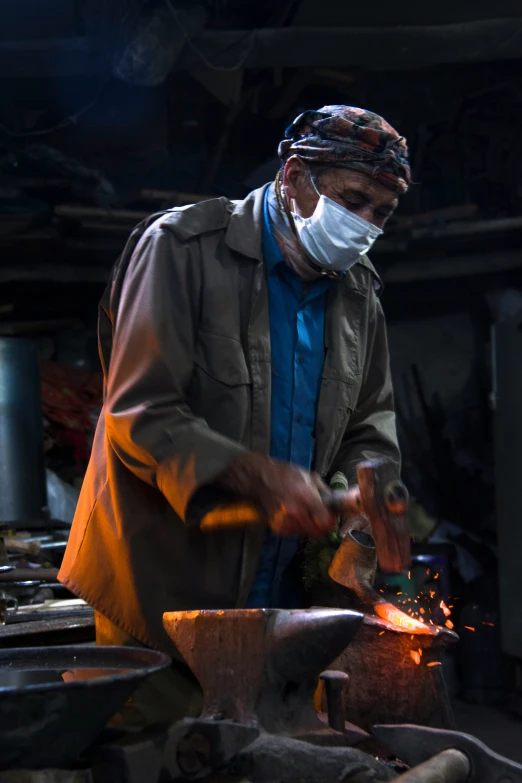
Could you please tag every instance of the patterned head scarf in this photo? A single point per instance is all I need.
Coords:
(348, 137)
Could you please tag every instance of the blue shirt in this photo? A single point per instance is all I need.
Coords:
(297, 340)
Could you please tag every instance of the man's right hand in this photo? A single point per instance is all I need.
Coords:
(288, 496)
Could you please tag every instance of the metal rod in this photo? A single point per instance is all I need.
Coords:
(442, 696)
(334, 682)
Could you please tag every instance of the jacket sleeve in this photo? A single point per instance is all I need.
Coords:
(371, 431)
(149, 423)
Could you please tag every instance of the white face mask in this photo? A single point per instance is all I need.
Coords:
(333, 236)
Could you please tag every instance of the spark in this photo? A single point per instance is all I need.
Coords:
(381, 633)
(445, 609)
(449, 624)
(416, 657)
(469, 628)
(433, 663)
(491, 625)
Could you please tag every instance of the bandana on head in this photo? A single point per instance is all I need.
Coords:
(348, 137)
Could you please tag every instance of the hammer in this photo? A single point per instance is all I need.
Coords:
(380, 496)
(446, 756)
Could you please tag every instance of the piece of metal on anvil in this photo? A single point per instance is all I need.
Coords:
(385, 683)
(261, 666)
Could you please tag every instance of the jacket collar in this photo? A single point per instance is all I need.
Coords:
(245, 228)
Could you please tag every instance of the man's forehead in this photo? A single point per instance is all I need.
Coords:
(347, 179)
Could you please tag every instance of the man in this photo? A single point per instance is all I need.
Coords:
(242, 345)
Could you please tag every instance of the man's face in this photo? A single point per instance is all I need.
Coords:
(358, 192)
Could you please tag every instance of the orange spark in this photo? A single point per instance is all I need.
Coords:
(433, 663)
(445, 609)
(432, 593)
(435, 576)
(449, 624)
(399, 593)
(409, 574)
(469, 628)
(423, 611)
(416, 657)
(381, 633)
(491, 625)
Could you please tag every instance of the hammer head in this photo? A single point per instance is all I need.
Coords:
(384, 499)
(416, 744)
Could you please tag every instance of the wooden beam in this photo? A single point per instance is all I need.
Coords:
(372, 47)
(425, 270)
(289, 47)
(53, 274)
(420, 270)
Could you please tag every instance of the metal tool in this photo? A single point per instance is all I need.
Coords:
(240, 514)
(334, 683)
(417, 744)
(442, 696)
(385, 502)
(354, 566)
(381, 497)
(23, 495)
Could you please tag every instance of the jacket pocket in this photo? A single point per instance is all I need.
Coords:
(221, 386)
(337, 402)
(222, 358)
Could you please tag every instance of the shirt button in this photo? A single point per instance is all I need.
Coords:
(299, 417)
(300, 358)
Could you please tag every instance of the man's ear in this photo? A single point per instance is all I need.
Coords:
(294, 176)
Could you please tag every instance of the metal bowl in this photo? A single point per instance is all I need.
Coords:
(54, 701)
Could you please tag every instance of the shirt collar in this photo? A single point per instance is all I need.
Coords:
(271, 250)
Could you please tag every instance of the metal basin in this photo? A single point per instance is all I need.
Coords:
(54, 701)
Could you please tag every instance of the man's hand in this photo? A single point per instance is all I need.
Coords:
(289, 497)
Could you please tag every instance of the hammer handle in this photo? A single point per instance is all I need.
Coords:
(240, 514)
(450, 766)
